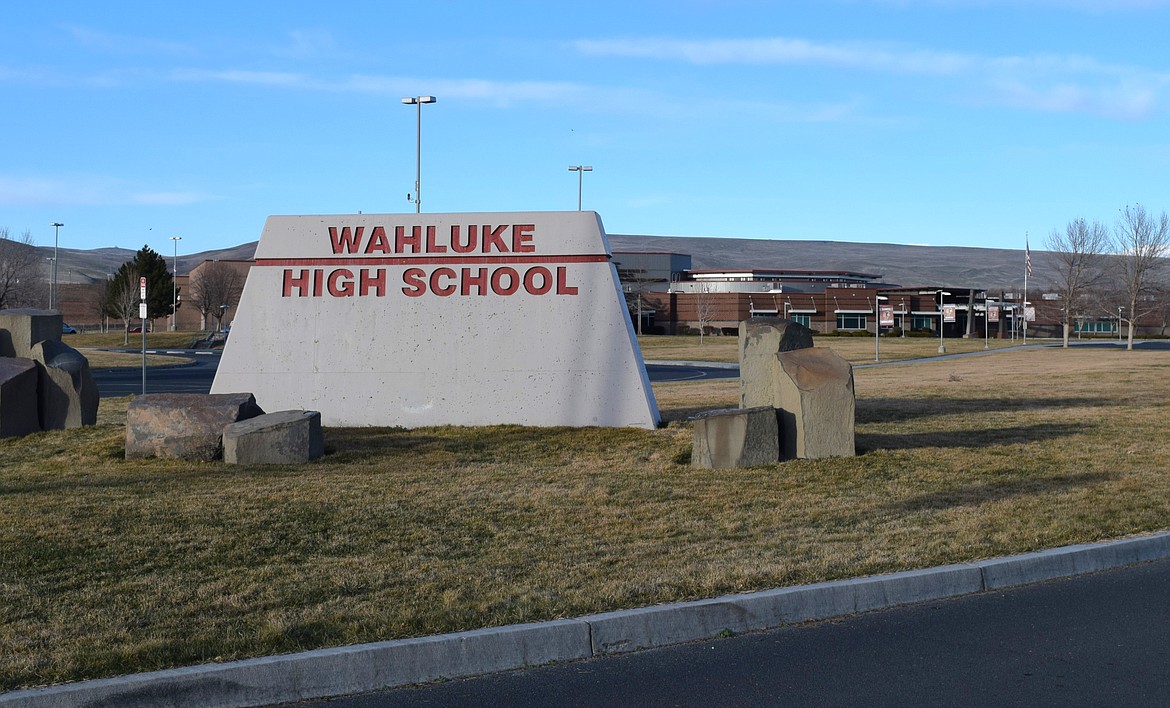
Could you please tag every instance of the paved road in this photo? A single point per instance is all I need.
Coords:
(1096, 640)
(193, 378)
(197, 378)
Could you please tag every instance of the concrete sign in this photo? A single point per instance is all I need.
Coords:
(435, 319)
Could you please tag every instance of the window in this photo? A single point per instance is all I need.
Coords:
(801, 320)
(1098, 327)
(918, 322)
(849, 321)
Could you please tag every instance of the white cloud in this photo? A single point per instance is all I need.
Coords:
(90, 191)
(782, 50)
(170, 198)
(1041, 82)
(125, 44)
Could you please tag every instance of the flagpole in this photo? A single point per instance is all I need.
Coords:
(1027, 272)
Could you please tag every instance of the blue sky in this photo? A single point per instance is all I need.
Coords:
(942, 122)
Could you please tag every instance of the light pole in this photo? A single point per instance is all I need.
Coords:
(942, 348)
(53, 284)
(418, 101)
(877, 326)
(175, 287)
(579, 169)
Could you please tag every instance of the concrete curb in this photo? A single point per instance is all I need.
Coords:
(368, 667)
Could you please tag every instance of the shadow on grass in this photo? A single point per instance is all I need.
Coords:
(879, 410)
(979, 438)
(994, 491)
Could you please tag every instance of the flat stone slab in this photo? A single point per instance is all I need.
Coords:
(736, 437)
(18, 397)
(185, 426)
(21, 329)
(760, 340)
(68, 395)
(284, 437)
(817, 404)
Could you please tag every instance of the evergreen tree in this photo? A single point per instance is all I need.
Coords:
(123, 289)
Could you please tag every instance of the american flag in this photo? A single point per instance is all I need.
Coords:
(1027, 259)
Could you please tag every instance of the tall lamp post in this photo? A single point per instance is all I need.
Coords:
(877, 326)
(175, 287)
(942, 348)
(418, 101)
(579, 169)
(53, 282)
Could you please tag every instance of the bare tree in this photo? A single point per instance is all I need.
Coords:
(704, 309)
(1076, 255)
(122, 297)
(1141, 240)
(21, 276)
(212, 286)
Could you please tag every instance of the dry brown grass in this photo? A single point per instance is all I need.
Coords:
(109, 566)
(858, 350)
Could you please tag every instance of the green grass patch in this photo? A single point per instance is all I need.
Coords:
(109, 566)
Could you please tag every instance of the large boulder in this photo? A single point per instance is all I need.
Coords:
(760, 340)
(284, 437)
(21, 329)
(18, 397)
(817, 404)
(68, 396)
(187, 426)
(735, 437)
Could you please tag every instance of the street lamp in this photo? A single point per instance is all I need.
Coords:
(175, 287)
(418, 101)
(53, 284)
(942, 348)
(877, 326)
(579, 169)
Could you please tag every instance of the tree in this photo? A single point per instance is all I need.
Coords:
(21, 276)
(122, 297)
(1141, 241)
(213, 285)
(704, 309)
(1076, 254)
(123, 291)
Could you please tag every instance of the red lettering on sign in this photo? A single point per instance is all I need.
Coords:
(401, 240)
(318, 278)
(369, 282)
(346, 241)
(416, 284)
(522, 237)
(563, 287)
(494, 238)
(433, 247)
(300, 282)
(460, 246)
(479, 280)
(442, 290)
(340, 283)
(379, 243)
(498, 276)
(530, 285)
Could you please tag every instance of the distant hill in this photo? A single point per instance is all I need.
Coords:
(947, 266)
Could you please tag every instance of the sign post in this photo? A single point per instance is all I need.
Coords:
(142, 316)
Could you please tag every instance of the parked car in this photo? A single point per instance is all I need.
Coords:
(68, 329)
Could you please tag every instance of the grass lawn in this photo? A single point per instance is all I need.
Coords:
(91, 344)
(858, 350)
(110, 566)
